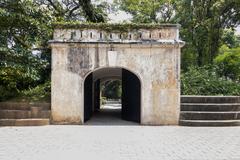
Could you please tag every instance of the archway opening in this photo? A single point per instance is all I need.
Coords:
(112, 95)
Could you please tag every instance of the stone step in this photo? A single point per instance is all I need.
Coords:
(15, 114)
(209, 122)
(195, 115)
(11, 106)
(210, 107)
(23, 114)
(24, 122)
(23, 105)
(210, 99)
(43, 114)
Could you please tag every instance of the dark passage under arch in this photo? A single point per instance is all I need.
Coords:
(131, 92)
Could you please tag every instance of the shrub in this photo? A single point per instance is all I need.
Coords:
(7, 92)
(39, 93)
(206, 81)
(13, 79)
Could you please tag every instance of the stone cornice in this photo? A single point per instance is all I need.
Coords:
(126, 33)
(110, 27)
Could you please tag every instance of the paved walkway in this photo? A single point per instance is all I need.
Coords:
(119, 142)
(109, 115)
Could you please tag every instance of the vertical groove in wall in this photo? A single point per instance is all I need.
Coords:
(96, 56)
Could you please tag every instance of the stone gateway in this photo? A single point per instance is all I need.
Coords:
(145, 57)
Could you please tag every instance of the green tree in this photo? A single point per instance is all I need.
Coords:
(25, 28)
(230, 39)
(82, 10)
(202, 23)
(112, 89)
(229, 62)
(148, 11)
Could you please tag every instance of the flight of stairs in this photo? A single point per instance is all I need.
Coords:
(210, 111)
(24, 114)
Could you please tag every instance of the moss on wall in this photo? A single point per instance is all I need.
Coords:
(108, 27)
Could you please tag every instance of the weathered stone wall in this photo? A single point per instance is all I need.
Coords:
(155, 59)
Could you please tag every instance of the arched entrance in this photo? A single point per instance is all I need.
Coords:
(130, 98)
(83, 54)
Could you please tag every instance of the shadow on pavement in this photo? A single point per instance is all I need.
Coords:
(109, 115)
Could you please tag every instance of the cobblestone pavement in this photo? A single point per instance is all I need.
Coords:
(119, 142)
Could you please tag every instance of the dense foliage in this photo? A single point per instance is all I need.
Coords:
(25, 28)
(40, 93)
(203, 24)
(207, 28)
(229, 63)
(206, 81)
(111, 89)
(148, 11)
(23, 31)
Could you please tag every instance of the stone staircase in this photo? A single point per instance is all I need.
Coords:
(24, 114)
(210, 111)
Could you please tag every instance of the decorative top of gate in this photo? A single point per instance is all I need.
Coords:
(116, 33)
